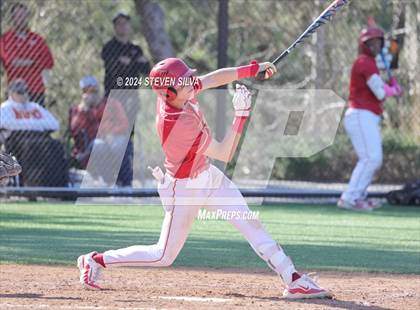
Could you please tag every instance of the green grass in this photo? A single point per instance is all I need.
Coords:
(316, 237)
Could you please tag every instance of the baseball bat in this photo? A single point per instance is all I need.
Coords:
(386, 64)
(388, 70)
(322, 19)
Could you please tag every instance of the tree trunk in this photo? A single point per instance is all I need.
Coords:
(411, 52)
(222, 62)
(153, 22)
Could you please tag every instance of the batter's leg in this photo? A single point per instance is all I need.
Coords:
(179, 216)
(175, 228)
(225, 196)
(363, 129)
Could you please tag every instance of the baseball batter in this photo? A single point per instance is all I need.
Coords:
(191, 182)
(362, 119)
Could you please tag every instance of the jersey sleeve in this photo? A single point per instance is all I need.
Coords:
(377, 86)
(142, 66)
(106, 53)
(45, 58)
(6, 117)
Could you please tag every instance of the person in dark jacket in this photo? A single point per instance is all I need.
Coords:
(125, 63)
(123, 60)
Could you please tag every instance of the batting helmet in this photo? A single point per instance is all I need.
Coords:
(371, 33)
(165, 75)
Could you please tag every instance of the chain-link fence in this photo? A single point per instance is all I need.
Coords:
(79, 49)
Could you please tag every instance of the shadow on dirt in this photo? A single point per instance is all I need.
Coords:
(36, 296)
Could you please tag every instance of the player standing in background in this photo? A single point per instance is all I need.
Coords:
(191, 182)
(362, 119)
(25, 54)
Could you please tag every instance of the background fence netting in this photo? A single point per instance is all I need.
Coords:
(71, 62)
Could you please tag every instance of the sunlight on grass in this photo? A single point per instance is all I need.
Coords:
(315, 236)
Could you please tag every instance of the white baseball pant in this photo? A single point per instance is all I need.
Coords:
(363, 128)
(182, 199)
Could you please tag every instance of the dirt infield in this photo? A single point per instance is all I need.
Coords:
(46, 287)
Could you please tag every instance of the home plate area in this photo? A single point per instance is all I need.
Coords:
(55, 287)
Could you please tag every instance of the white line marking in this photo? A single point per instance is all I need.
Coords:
(24, 306)
(190, 298)
(42, 306)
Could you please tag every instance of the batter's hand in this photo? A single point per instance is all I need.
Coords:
(242, 101)
(398, 89)
(266, 68)
(157, 174)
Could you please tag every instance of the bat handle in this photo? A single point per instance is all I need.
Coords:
(388, 70)
(281, 57)
(261, 75)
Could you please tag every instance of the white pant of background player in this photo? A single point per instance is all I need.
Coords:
(363, 128)
(182, 199)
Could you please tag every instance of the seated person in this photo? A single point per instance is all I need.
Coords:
(101, 125)
(26, 128)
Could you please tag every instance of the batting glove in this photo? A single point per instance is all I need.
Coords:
(398, 89)
(242, 101)
(267, 68)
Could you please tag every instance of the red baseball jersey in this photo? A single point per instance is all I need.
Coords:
(184, 136)
(361, 96)
(32, 47)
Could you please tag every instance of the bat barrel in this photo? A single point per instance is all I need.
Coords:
(319, 21)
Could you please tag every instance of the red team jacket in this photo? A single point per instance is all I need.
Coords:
(361, 97)
(32, 47)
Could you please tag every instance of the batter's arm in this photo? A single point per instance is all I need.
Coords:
(228, 75)
(219, 77)
(226, 149)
